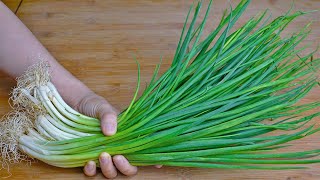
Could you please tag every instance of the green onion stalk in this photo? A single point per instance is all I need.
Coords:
(214, 107)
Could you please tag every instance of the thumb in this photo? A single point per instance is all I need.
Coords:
(108, 119)
(96, 106)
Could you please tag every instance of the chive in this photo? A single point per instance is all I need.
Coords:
(210, 109)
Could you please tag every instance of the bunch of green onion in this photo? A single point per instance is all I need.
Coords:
(213, 108)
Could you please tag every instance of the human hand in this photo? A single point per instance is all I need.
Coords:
(96, 106)
(16, 37)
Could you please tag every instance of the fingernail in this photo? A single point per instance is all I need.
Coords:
(110, 127)
(121, 159)
(90, 166)
(109, 124)
(105, 158)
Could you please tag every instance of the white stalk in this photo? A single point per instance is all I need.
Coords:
(42, 131)
(69, 115)
(46, 100)
(44, 103)
(35, 134)
(66, 129)
(49, 106)
(65, 105)
(28, 141)
(28, 95)
(53, 131)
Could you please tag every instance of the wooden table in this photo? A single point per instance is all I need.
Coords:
(97, 41)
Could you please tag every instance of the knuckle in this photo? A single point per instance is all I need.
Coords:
(95, 106)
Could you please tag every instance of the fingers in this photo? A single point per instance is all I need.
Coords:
(90, 168)
(158, 166)
(106, 165)
(124, 166)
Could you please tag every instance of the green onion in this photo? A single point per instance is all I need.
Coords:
(213, 108)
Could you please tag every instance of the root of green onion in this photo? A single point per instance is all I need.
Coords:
(210, 109)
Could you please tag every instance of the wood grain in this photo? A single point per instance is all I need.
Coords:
(97, 41)
(12, 4)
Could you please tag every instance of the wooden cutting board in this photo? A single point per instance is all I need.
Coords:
(97, 41)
